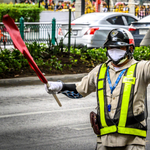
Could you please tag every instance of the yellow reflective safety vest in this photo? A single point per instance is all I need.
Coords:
(124, 121)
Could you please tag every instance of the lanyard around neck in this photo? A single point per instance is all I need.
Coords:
(116, 82)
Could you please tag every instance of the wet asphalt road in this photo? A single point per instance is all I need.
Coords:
(30, 119)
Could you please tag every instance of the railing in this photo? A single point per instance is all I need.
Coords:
(33, 31)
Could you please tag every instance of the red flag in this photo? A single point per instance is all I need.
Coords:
(20, 45)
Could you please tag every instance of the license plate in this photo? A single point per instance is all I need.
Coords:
(74, 32)
(143, 32)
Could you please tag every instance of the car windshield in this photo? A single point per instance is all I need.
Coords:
(145, 19)
(89, 18)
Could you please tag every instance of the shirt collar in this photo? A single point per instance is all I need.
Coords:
(127, 65)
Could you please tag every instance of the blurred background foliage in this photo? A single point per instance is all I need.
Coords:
(30, 13)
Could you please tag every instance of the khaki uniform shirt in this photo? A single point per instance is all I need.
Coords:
(88, 84)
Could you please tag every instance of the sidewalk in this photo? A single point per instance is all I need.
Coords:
(35, 80)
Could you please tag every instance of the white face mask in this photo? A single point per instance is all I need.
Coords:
(116, 54)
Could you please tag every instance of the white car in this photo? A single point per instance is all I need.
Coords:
(92, 29)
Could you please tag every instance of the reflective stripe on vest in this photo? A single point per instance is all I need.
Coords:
(128, 81)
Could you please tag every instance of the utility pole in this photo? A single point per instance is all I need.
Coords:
(78, 8)
(108, 3)
(131, 5)
(82, 7)
(39, 3)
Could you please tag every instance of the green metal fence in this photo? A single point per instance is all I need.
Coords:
(32, 31)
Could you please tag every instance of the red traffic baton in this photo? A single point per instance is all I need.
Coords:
(20, 45)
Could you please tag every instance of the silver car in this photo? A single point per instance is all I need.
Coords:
(139, 29)
(92, 29)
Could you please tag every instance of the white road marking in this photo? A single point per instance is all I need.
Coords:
(44, 112)
(82, 128)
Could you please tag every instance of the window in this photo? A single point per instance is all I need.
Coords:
(130, 19)
(116, 20)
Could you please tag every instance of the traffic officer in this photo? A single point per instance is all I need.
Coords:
(120, 84)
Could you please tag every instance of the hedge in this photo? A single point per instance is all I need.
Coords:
(30, 13)
(11, 61)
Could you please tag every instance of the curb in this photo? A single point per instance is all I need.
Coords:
(35, 80)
